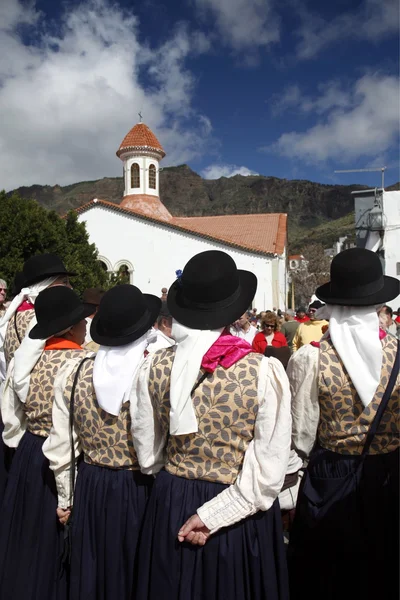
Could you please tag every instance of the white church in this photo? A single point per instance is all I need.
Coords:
(140, 238)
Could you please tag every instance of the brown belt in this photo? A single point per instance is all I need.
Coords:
(290, 480)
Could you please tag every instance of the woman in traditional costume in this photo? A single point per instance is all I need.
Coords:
(345, 397)
(214, 417)
(30, 535)
(111, 493)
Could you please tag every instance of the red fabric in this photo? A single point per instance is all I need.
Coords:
(26, 305)
(56, 343)
(260, 342)
(303, 320)
(397, 319)
(226, 351)
(382, 334)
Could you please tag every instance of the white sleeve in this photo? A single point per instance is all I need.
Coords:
(57, 447)
(149, 437)
(12, 412)
(266, 459)
(302, 371)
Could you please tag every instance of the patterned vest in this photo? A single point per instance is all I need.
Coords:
(226, 405)
(106, 440)
(16, 331)
(344, 421)
(39, 402)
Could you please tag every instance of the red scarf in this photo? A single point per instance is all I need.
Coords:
(56, 343)
(26, 305)
(226, 351)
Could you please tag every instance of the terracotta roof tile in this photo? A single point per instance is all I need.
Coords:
(147, 205)
(140, 136)
(261, 234)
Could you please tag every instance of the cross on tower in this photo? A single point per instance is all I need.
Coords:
(140, 115)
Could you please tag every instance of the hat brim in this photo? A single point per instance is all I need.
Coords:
(212, 317)
(43, 332)
(390, 290)
(45, 275)
(99, 336)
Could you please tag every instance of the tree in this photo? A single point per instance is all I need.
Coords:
(28, 229)
(313, 271)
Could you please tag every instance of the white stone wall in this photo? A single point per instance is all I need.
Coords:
(154, 252)
(391, 240)
(144, 163)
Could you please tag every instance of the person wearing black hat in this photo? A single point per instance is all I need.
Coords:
(213, 419)
(311, 330)
(345, 396)
(162, 333)
(111, 492)
(30, 537)
(92, 296)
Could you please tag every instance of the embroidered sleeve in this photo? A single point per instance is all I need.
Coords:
(266, 459)
(149, 438)
(12, 412)
(57, 447)
(303, 377)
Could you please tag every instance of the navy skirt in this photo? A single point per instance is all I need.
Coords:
(243, 562)
(30, 535)
(109, 505)
(348, 556)
(6, 455)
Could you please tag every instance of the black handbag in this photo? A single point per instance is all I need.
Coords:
(67, 548)
(331, 504)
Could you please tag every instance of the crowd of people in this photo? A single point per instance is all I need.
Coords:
(158, 448)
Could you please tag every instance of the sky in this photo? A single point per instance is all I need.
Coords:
(280, 88)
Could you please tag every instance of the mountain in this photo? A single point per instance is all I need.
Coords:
(317, 212)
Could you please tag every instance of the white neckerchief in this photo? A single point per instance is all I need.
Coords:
(354, 331)
(114, 370)
(192, 345)
(29, 352)
(269, 338)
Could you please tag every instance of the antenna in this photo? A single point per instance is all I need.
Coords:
(381, 169)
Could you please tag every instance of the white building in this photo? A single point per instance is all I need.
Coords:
(139, 235)
(377, 216)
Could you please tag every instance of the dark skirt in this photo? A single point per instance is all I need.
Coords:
(6, 455)
(353, 552)
(30, 535)
(243, 562)
(108, 512)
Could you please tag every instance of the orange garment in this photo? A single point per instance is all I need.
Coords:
(56, 343)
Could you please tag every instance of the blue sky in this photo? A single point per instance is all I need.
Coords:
(275, 87)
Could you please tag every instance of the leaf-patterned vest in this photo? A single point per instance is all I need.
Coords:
(39, 402)
(226, 406)
(344, 421)
(105, 439)
(17, 326)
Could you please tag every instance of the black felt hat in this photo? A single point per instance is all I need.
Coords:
(42, 266)
(58, 308)
(211, 292)
(123, 316)
(357, 280)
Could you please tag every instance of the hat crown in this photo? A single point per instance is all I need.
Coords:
(120, 308)
(54, 303)
(42, 266)
(209, 277)
(356, 267)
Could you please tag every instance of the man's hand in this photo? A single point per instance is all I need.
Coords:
(63, 515)
(194, 531)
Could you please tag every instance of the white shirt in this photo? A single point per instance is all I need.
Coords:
(265, 461)
(248, 335)
(162, 341)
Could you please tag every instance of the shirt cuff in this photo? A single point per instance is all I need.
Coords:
(224, 510)
(63, 484)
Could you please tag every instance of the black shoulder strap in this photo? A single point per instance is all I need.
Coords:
(71, 424)
(16, 328)
(384, 402)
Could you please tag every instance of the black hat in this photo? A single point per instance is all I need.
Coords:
(58, 308)
(316, 304)
(211, 292)
(93, 295)
(18, 283)
(42, 266)
(357, 280)
(123, 316)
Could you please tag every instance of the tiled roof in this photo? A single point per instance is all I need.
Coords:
(296, 257)
(140, 137)
(147, 205)
(261, 234)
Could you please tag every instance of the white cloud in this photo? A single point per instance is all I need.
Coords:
(372, 21)
(67, 102)
(242, 24)
(332, 95)
(220, 170)
(365, 123)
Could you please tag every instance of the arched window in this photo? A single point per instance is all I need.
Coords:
(135, 176)
(103, 265)
(152, 177)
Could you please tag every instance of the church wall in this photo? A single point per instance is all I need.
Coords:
(156, 252)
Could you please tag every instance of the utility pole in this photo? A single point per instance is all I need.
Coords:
(372, 169)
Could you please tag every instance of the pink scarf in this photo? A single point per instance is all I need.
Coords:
(226, 351)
